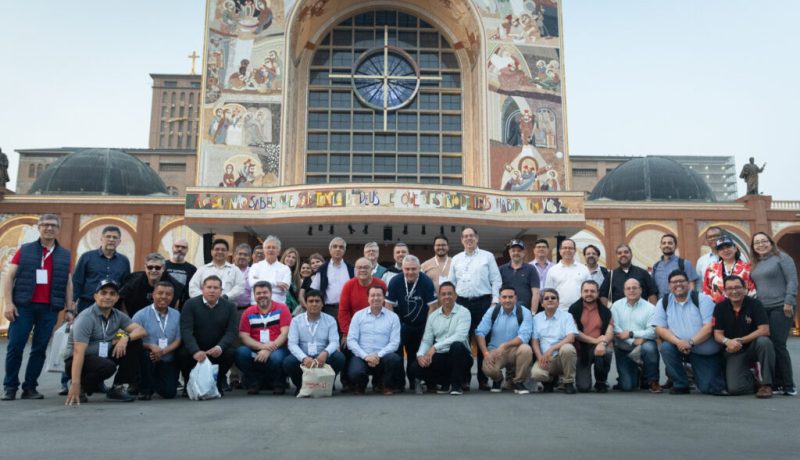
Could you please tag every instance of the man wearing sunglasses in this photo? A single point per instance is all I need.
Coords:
(137, 292)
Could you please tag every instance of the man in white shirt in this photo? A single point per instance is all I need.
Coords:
(231, 276)
(567, 276)
(712, 235)
(272, 270)
(332, 275)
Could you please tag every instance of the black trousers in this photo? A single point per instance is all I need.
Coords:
(446, 369)
(410, 340)
(96, 370)
(186, 363)
(477, 307)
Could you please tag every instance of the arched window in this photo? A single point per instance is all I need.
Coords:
(31, 170)
(409, 130)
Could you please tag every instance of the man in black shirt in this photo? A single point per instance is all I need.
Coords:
(137, 291)
(742, 327)
(522, 276)
(177, 266)
(613, 287)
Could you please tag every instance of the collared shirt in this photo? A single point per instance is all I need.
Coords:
(231, 276)
(714, 281)
(337, 276)
(476, 275)
(685, 319)
(91, 328)
(373, 335)
(322, 332)
(542, 271)
(613, 288)
(637, 318)
(159, 327)
(661, 271)
(437, 272)
(506, 327)
(246, 298)
(275, 273)
(93, 266)
(739, 324)
(703, 262)
(597, 275)
(567, 280)
(550, 331)
(442, 330)
(276, 317)
(523, 279)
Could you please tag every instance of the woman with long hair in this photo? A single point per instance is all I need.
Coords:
(291, 258)
(314, 261)
(775, 275)
(730, 263)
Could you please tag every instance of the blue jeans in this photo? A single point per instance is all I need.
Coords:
(160, 377)
(291, 366)
(39, 318)
(628, 370)
(256, 374)
(707, 369)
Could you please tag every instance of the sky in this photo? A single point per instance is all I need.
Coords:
(643, 77)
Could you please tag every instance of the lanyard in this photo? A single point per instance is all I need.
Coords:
(48, 254)
(442, 267)
(105, 329)
(161, 325)
(413, 288)
(311, 331)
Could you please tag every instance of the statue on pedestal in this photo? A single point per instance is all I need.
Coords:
(750, 174)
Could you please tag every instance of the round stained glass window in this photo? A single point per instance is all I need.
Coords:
(385, 78)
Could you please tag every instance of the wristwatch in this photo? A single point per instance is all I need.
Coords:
(631, 335)
(691, 342)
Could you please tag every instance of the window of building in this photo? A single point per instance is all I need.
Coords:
(31, 171)
(195, 84)
(39, 169)
(170, 84)
(171, 167)
(350, 137)
(584, 172)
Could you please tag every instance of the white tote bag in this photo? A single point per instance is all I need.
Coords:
(203, 381)
(317, 382)
(55, 362)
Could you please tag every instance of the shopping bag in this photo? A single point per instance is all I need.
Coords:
(203, 381)
(55, 361)
(317, 382)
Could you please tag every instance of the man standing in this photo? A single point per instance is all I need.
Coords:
(374, 337)
(263, 329)
(553, 339)
(635, 339)
(258, 254)
(313, 341)
(541, 261)
(477, 280)
(598, 273)
(567, 275)
(39, 274)
(177, 266)
(444, 357)
(372, 252)
(331, 276)
(95, 351)
(94, 266)
(670, 262)
(438, 267)
(272, 270)
(712, 235)
(613, 288)
(411, 297)
(159, 374)
(230, 276)
(208, 328)
(595, 332)
(742, 327)
(522, 276)
(241, 258)
(683, 321)
(399, 253)
(137, 292)
(503, 336)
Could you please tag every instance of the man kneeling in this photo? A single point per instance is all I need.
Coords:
(553, 338)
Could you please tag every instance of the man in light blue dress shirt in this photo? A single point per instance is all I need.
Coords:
(635, 339)
(554, 333)
(374, 337)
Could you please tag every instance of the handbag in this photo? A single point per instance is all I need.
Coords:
(317, 381)
(203, 381)
(58, 347)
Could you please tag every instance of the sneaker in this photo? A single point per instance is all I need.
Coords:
(777, 390)
(64, 391)
(445, 389)
(116, 393)
(519, 388)
(465, 387)
(497, 386)
(790, 391)
(764, 392)
(418, 387)
(655, 388)
(9, 395)
(83, 398)
(133, 390)
(569, 388)
(456, 391)
(31, 394)
(679, 391)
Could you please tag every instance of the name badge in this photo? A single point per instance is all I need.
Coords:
(312, 348)
(263, 336)
(41, 276)
(162, 343)
(103, 350)
(443, 278)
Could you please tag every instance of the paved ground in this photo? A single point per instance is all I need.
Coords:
(476, 425)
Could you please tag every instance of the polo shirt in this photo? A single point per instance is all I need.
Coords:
(159, 327)
(91, 328)
(505, 327)
(411, 300)
(685, 319)
(735, 325)
(94, 267)
(41, 292)
(523, 279)
(253, 321)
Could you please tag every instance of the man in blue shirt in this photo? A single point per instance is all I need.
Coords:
(553, 339)
(374, 337)
(686, 329)
(159, 374)
(508, 328)
(670, 262)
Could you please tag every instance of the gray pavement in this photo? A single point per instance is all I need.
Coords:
(475, 425)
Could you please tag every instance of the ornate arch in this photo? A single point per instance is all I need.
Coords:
(18, 220)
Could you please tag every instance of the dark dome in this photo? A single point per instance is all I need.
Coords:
(99, 172)
(652, 179)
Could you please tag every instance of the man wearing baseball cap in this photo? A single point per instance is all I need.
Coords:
(523, 277)
(95, 350)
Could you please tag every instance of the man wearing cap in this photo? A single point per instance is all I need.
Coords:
(39, 274)
(95, 349)
(522, 276)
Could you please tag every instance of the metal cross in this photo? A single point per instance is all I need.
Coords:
(193, 57)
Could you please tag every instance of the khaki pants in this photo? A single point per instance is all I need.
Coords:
(562, 365)
(517, 360)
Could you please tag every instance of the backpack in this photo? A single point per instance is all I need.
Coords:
(496, 313)
(694, 295)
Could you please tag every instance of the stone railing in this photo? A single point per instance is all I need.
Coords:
(785, 205)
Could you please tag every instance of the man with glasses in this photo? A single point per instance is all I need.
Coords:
(553, 342)
(567, 275)
(712, 235)
(36, 286)
(137, 292)
(541, 260)
(372, 251)
(438, 267)
(231, 277)
(177, 266)
(95, 266)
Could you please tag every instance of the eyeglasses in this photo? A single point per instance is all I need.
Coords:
(678, 282)
(567, 248)
(154, 268)
(49, 225)
(550, 297)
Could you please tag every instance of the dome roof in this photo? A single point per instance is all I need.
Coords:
(652, 179)
(99, 172)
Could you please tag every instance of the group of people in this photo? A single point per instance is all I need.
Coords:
(720, 324)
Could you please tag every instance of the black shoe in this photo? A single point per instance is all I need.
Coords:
(279, 390)
(145, 397)
(9, 395)
(31, 394)
(133, 390)
(64, 391)
(484, 386)
(102, 388)
(82, 398)
(617, 387)
(679, 391)
(569, 388)
(601, 387)
(547, 387)
(497, 386)
(118, 394)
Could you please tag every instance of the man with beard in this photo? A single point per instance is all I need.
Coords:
(598, 273)
(670, 262)
(438, 267)
(613, 288)
(399, 253)
(177, 266)
(137, 292)
(595, 334)
(522, 276)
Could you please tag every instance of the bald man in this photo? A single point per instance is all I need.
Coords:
(177, 266)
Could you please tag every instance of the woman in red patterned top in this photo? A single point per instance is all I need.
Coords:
(730, 263)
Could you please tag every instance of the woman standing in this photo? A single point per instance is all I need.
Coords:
(315, 261)
(291, 258)
(730, 263)
(775, 276)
